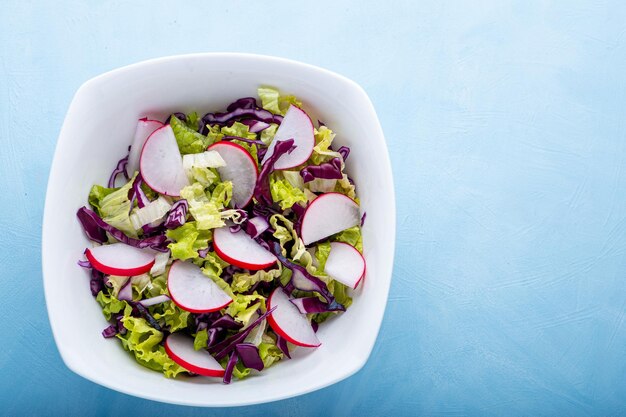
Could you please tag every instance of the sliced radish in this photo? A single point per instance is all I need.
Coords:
(288, 322)
(241, 250)
(179, 347)
(161, 164)
(328, 214)
(296, 125)
(121, 259)
(193, 291)
(144, 129)
(240, 168)
(345, 264)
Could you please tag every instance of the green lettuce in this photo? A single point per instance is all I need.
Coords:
(321, 151)
(272, 100)
(201, 340)
(204, 210)
(267, 135)
(322, 251)
(242, 281)
(114, 206)
(205, 176)
(188, 140)
(144, 342)
(110, 305)
(340, 292)
(212, 268)
(351, 236)
(270, 353)
(171, 315)
(238, 129)
(187, 240)
(285, 232)
(192, 120)
(285, 193)
(244, 306)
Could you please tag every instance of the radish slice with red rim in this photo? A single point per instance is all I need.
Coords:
(241, 169)
(161, 164)
(179, 348)
(120, 259)
(345, 264)
(144, 129)
(288, 322)
(241, 250)
(193, 291)
(296, 125)
(328, 214)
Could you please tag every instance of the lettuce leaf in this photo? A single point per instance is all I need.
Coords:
(188, 140)
(204, 210)
(144, 342)
(174, 317)
(242, 281)
(267, 135)
(285, 194)
(201, 340)
(238, 129)
(244, 306)
(340, 292)
(110, 305)
(322, 251)
(351, 236)
(272, 100)
(321, 151)
(187, 240)
(114, 206)
(270, 353)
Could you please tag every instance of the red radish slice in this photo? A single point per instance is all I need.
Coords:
(120, 259)
(240, 168)
(161, 164)
(241, 250)
(296, 125)
(328, 214)
(288, 322)
(144, 129)
(179, 347)
(193, 291)
(345, 264)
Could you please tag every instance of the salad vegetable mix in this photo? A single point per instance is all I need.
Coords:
(221, 242)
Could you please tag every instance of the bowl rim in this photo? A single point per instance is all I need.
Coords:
(47, 215)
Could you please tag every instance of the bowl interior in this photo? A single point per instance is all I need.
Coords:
(97, 132)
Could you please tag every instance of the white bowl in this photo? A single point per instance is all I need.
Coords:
(97, 132)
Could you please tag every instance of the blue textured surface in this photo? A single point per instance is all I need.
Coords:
(506, 125)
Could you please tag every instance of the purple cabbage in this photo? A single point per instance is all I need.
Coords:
(84, 264)
(249, 355)
(243, 103)
(226, 322)
(213, 336)
(363, 218)
(148, 317)
(256, 225)
(203, 252)
(308, 305)
(138, 194)
(96, 283)
(302, 280)
(330, 170)
(119, 169)
(240, 113)
(255, 126)
(262, 188)
(299, 211)
(96, 229)
(179, 115)
(177, 216)
(110, 331)
(344, 151)
(282, 345)
(315, 325)
(230, 367)
(223, 348)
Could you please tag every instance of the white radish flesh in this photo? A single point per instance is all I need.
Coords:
(144, 129)
(328, 214)
(288, 322)
(121, 259)
(180, 348)
(345, 264)
(240, 169)
(241, 250)
(296, 125)
(161, 164)
(193, 291)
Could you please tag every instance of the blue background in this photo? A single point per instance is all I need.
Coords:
(506, 126)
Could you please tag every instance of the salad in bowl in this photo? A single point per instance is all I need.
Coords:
(222, 242)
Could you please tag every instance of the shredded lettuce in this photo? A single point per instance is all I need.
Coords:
(351, 236)
(144, 342)
(244, 306)
(96, 194)
(267, 135)
(189, 141)
(187, 240)
(171, 315)
(285, 194)
(110, 305)
(272, 100)
(114, 206)
(201, 340)
(242, 281)
(270, 353)
(204, 210)
(238, 129)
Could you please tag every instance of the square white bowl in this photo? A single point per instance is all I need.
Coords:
(97, 132)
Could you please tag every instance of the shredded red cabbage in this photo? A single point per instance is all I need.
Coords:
(258, 114)
(308, 305)
(330, 170)
(252, 141)
(230, 367)
(262, 188)
(119, 169)
(222, 349)
(177, 216)
(249, 355)
(96, 229)
(282, 345)
(344, 151)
